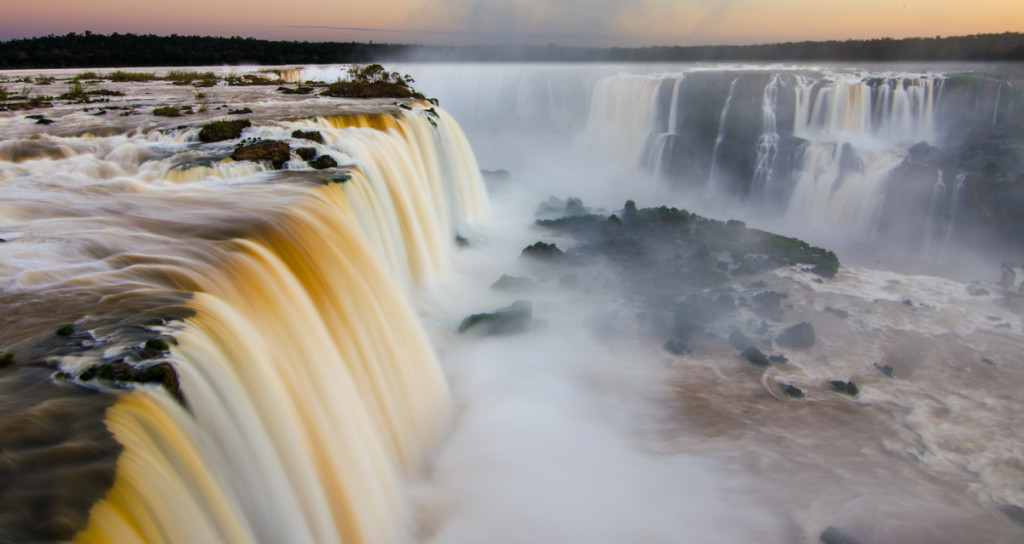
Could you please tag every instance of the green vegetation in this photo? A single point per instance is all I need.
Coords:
(44, 80)
(95, 50)
(85, 76)
(75, 93)
(218, 131)
(168, 111)
(373, 81)
(198, 79)
(136, 77)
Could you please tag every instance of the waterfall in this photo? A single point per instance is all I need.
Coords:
(621, 115)
(721, 133)
(664, 143)
(768, 142)
(309, 384)
(954, 209)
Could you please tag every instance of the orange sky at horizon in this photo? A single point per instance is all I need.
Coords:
(566, 22)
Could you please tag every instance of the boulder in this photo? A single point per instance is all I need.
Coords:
(791, 391)
(739, 341)
(218, 131)
(512, 319)
(306, 153)
(800, 335)
(676, 347)
(323, 162)
(272, 151)
(832, 535)
(847, 388)
(768, 304)
(755, 357)
(311, 135)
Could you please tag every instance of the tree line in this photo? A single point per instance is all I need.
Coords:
(90, 50)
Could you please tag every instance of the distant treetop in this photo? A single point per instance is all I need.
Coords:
(90, 50)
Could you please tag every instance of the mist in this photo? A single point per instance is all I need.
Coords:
(616, 418)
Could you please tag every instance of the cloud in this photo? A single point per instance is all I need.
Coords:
(571, 20)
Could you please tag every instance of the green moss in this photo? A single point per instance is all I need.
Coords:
(167, 111)
(157, 344)
(66, 330)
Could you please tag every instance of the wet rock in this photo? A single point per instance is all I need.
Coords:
(461, 241)
(842, 314)
(6, 359)
(219, 131)
(800, 335)
(695, 313)
(676, 347)
(988, 361)
(791, 391)
(847, 388)
(755, 357)
(832, 535)
(514, 284)
(306, 153)
(323, 162)
(65, 330)
(512, 319)
(311, 135)
(272, 151)
(545, 252)
(1014, 512)
(162, 374)
(884, 369)
(44, 121)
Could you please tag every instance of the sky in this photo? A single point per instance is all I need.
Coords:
(626, 23)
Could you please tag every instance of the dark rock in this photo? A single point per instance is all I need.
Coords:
(219, 131)
(739, 341)
(908, 303)
(792, 391)
(323, 162)
(778, 359)
(542, 251)
(66, 330)
(306, 153)
(496, 174)
(832, 535)
(341, 178)
(676, 347)
(1014, 512)
(848, 388)
(157, 344)
(461, 241)
(514, 284)
(512, 319)
(922, 152)
(243, 111)
(800, 335)
(988, 361)
(842, 314)
(44, 121)
(824, 270)
(273, 151)
(755, 357)
(311, 135)
(123, 373)
(6, 359)
(884, 369)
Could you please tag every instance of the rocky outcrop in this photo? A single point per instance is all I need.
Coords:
(272, 151)
(514, 319)
(219, 131)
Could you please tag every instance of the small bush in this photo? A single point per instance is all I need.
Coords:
(44, 80)
(167, 111)
(198, 79)
(84, 76)
(121, 76)
(75, 93)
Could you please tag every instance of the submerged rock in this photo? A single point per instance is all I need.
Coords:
(513, 319)
(792, 391)
(306, 153)
(832, 535)
(768, 304)
(755, 357)
(311, 135)
(800, 335)
(884, 369)
(847, 388)
(676, 347)
(273, 151)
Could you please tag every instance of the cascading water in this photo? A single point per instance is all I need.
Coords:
(309, 385)
(768, 142)
(715, 157)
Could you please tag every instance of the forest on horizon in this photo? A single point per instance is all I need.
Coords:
(90, 50)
